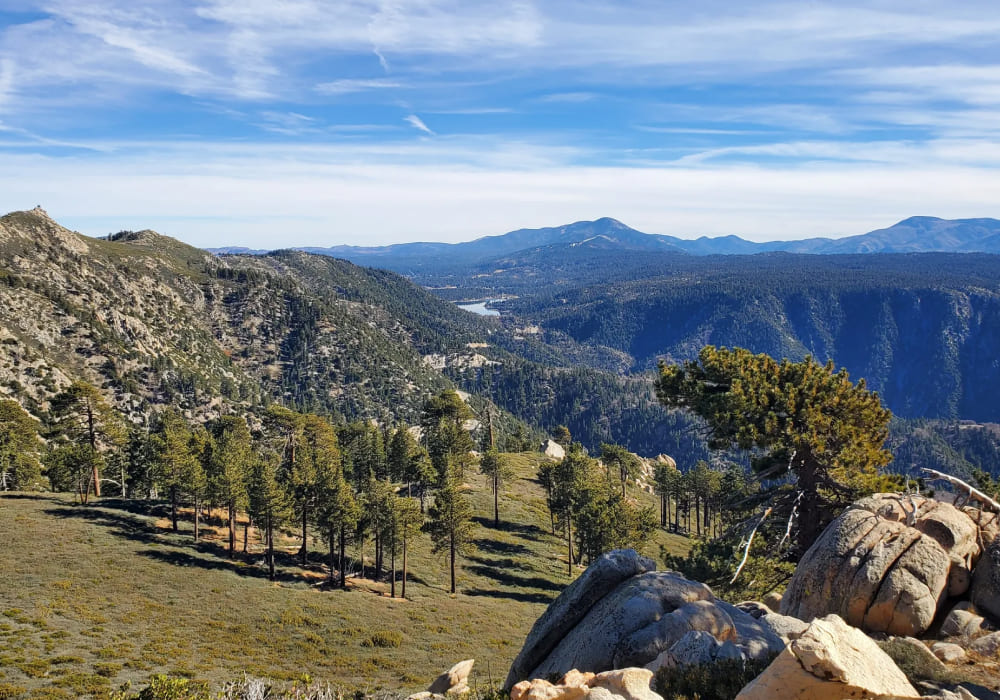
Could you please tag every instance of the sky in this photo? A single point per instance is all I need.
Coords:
(273, 123)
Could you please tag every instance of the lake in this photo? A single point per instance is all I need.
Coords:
(479, 308)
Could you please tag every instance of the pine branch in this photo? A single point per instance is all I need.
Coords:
(971, 490)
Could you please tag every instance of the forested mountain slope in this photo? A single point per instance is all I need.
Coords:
(152, 321)
(923, 330)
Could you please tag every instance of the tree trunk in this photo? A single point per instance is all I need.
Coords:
(569, 544)
(173, 507)
(246, 534)
(404, 565)
(342, 566)
(196, 519)
(697, 514)
(496, 502)
(304, 551)
(92, 434)
(392, 565)
(232, 529)
(270, 547)
(331, 535)
(663, 510)
(452, 548)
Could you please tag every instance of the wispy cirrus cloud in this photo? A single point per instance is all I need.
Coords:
(418, 123)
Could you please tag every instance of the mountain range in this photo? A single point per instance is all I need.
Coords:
(917, 234)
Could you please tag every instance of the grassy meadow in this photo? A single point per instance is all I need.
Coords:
(94, 597)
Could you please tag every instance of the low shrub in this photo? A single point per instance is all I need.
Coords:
(384, 638)
(721, 680)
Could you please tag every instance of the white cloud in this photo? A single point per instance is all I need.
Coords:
(345, 86)
(418, 123)
(265, 196)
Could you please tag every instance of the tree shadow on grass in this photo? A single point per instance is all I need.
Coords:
(504, 572)
(511, 595)
(531, 532)
(235, 566)
(494, 547)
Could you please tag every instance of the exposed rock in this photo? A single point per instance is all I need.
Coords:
(552, 449)
(603, 640)
(628, 683)
(961, 623)
(454, 681)
(948, 653)
(880, 573)
(785, 627)
(987, 645)
(772, 600)
(634, 625)
(986, 582)
(830, 661)
(572, 605)
(623, 684)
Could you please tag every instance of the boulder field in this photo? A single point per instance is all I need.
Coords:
(897, 566)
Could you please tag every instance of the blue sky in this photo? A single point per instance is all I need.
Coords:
(304, 122)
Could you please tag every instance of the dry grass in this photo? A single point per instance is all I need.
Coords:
(98, 596)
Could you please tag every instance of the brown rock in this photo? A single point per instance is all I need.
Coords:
(454, 681)
(628, 683)
(885, 565)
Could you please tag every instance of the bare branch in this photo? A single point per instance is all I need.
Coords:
(791, 519)
(971, 490)
(746, 552)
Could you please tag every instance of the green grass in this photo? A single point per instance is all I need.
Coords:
(102, 595)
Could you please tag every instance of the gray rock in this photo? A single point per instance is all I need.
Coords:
(755, 637)
(961, 623)
(948, 653)
(572, 605)
(785, 627)
(593, 643)
(694, 649)
(986, 582)
(987, 645)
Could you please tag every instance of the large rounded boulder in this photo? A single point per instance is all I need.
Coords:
(609, 620)
(886, 564)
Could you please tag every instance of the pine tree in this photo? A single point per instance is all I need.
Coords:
(494, 466)
(408, 521)
(20, 449)
(808, 420)
(177, 465)
(337, 513)
(450, 522)
(231, 454)
(267, 499)
(85, 419)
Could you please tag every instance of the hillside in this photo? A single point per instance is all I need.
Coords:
(96, 596)
(152, 321)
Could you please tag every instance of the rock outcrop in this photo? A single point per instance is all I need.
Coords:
(454, 681)
(986, 582)
(552, 449)
(886, 564)
(623, 684)
(830, 661)
(606, 620)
